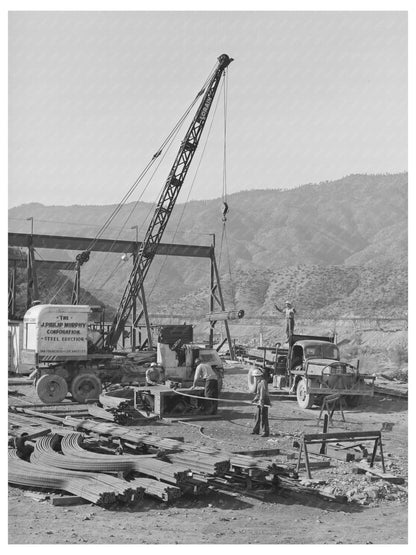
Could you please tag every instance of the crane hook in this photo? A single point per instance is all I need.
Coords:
(224, 211)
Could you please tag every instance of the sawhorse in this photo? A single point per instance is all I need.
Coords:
(335, 437)
(329, 404)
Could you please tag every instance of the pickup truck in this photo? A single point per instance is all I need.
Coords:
(311, 367)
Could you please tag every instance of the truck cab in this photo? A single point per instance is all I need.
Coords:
(315, 369)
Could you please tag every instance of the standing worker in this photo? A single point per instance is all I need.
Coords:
(262, 400)
(205, 372)
(289, 313)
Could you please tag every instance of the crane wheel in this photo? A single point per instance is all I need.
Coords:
(86, 386)
(305, 400)
(51, 388)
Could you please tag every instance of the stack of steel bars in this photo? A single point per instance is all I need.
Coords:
(75, 456)
(202, 463)
(130, 436)
(160, 490)
(98, 488)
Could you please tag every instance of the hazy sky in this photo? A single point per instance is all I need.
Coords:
(311, 96)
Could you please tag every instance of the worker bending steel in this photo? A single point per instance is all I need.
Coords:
(289, 312)
(205, 372)
(262, 400)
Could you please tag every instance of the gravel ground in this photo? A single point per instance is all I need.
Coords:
(376, 512)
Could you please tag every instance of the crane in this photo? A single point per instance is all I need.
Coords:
(57, 338)
(165, 205)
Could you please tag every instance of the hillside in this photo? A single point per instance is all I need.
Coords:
(335, 248)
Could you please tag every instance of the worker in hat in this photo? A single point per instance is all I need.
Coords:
(262, 400)
(153, 374)
(204, 371)
(289, 312)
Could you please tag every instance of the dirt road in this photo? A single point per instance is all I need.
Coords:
(226, 519)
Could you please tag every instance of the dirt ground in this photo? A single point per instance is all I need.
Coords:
(219, 518)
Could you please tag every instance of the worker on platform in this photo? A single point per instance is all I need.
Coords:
(205, 372)
(262, 400)
(289, 312)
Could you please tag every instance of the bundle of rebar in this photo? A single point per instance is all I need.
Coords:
(100, 489)
(160, 490)
(197, 485)
(123, 413)
(131, 436)
(76, 457)
(202, 463)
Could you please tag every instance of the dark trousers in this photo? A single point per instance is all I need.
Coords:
(290, 327)
(262, 419)
(211, 390)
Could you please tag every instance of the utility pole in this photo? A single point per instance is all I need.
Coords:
(212, 292)
(32, 281)
(31, 226)
(133, 329)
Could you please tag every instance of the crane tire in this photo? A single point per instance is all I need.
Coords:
(86, 386)
(51, 388)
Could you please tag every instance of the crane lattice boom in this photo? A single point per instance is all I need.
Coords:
(165, 204)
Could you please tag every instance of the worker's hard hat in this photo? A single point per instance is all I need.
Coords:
(257, 372)
(287, 302)
(197, 360)
(153, 364)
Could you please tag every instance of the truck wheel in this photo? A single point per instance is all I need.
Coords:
(51, 388)
(251, 380)
(305, 400)
(86, 386)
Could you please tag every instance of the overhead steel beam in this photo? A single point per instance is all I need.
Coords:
(103, 245)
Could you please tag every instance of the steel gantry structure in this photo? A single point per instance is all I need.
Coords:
(56, 242)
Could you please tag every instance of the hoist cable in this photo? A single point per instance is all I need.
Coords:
(224, 176)
(149, 164)
(167, 142)
(224, 237)
(151, 209)
(229, 269)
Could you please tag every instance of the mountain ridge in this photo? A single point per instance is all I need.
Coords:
(333, 247)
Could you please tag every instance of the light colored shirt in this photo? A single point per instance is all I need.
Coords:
(289, 313)
(262, 394)
(204, 372)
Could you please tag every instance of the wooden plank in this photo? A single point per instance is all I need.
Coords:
(341, 436)
(363, 465)
(193, 418)
(32, 434)
(20, 381)
(259, 452)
